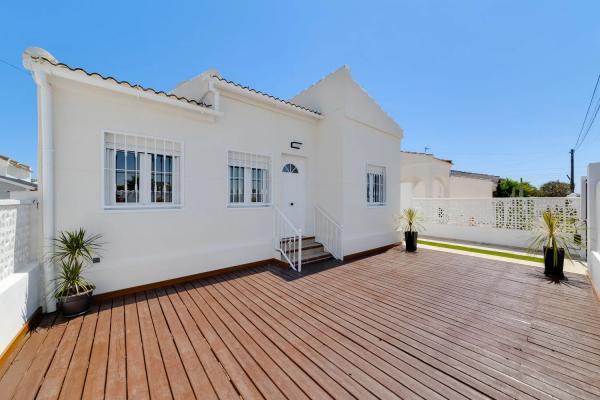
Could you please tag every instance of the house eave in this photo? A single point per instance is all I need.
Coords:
(225, 86)
(40, 65)
(18, 182)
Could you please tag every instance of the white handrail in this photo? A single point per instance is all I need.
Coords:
(287, 239)
(329, 233)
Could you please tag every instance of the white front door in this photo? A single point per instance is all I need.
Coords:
(293, 189)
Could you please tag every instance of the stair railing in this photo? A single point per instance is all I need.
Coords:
(329, 233)
(288, 239)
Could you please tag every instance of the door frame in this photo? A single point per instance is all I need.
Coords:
(289, 157)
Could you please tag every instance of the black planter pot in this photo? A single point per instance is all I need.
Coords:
(72, 306)
(410, 238)
(550, 269)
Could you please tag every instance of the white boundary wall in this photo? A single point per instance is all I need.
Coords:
(19, 266)
(593, 223)
(497, 221)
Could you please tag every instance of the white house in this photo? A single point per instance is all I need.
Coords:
(14, 177)
(190, 181)
(422, 175)
(472, 185)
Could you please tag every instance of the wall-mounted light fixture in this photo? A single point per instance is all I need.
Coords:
(296, 145)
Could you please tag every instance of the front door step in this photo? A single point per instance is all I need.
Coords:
(312, 251)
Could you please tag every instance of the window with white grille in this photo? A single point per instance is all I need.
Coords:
(141, 172)
(249, 179)
(376, 185)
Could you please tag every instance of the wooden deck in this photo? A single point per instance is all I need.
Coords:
(428, 325)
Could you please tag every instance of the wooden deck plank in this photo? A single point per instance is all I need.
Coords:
(242, 381)
(359, 369)
(251, 367)
(294, 336)
(361, 333)
(55, 376)
(75, 378)
(176, 373)
(25, 357)
(333, 370)
(457, 335)
(281, 363)
(493, 360)
(196, 373)
(494, 319)
(149, 362)
(548, 371)
(116, 373)
(96, 373)
(397, 325)
(137, 383)
(310, 367)
(395, 378)
(221, 383)
(498, 316)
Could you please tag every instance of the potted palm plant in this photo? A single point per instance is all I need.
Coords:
(73, 253)
(555, 240)
(410, 220)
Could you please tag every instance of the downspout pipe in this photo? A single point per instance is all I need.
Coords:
(47, 179)
(46, 170)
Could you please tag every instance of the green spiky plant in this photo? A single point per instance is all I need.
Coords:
(549, 232)
(73, 252)
(410, 220)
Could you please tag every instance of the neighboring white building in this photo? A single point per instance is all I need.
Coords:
(422, 175)
(472, 185)
(190, 181)
(14, 177)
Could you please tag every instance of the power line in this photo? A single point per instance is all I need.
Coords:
(578, 142)
(587, 131)
(14, 66)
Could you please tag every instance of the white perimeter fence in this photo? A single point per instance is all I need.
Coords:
(19, 266)
(498, 221)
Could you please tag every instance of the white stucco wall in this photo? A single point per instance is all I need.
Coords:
(355, 132)
(19, 267)
(463, 187)
(593, 223)
(149, 245)
(144, 246)
(367, 227)
(427, 175)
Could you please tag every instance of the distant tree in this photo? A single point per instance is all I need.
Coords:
(555, 189)
(512, 188)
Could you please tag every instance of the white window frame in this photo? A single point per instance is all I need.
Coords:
(247, 179)
(369, 192)
(145, 202)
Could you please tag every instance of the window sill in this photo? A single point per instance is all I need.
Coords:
(170, 207)
(245, 205)
(376, 205)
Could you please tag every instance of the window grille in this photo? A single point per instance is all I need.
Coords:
(249, 179)
(291, 168)
(376, 185)
(141, 171)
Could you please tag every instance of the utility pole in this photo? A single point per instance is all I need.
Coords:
(572, 176)
(521, 188)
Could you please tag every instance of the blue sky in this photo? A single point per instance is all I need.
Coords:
(500, 87)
